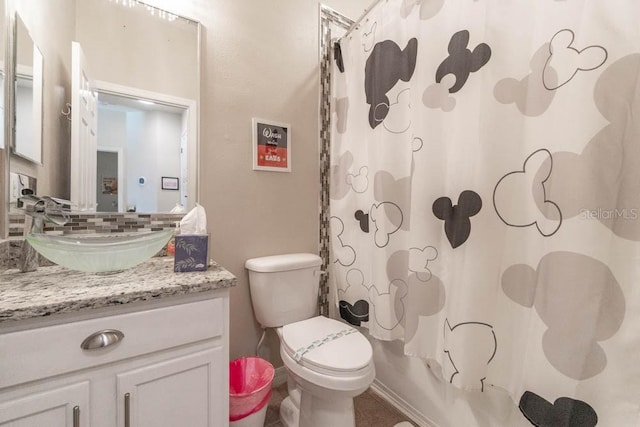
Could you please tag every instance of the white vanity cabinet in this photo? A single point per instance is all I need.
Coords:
(169, 368)
(176, 392)
(52, 407)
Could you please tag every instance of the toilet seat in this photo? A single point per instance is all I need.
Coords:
(327, 346)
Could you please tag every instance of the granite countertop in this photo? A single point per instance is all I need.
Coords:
(53, 290)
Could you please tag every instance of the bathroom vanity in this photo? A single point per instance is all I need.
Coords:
(142, 347)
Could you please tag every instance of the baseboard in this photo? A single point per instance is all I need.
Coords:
(400, 404)
(280, 377)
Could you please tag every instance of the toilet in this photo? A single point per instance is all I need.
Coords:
(328, 362)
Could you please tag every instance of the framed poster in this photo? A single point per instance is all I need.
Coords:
(109, 185)
(271, 145)
(170, 183)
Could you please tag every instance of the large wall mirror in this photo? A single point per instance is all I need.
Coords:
(119, 101)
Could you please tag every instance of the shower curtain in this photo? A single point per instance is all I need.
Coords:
(485, 197)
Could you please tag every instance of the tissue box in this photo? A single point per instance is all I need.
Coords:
(190, 252)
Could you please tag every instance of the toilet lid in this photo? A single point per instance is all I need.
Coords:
(327, 344)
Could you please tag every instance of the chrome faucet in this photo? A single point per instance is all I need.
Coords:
(44, 208)
(40, 209)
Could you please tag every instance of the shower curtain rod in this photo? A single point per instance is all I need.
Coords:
(366, 11)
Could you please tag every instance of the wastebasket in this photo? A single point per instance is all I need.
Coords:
(250, 381)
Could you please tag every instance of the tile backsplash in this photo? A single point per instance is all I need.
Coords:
(100, 223)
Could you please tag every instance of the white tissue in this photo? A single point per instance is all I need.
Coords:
(178, 208)
(194, 222)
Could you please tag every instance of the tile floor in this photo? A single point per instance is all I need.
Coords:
(371, 410)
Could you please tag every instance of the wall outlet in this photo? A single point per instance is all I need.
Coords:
(15, 187)
(19, 182)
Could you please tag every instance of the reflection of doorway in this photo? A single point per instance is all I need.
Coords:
(107, 182)
(158, 136)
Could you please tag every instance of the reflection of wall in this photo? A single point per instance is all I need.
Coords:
(24, 115)
(167, 132)
(52, 29)
(184, 159)
(140, 134)
(122, 46)
(140, 196)
(112, 128)
(145, 133)
(24, 49)
(1, 117)
(4, 159)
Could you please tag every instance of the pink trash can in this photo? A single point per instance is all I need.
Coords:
(250, 381)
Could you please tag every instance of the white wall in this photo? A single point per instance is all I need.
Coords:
(112, 128)
(166, 129)
(142, 197)
(152, 150)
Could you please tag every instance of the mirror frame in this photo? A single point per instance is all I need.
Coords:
(9, 108)
(9, 96)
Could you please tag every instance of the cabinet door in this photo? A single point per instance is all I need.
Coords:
(191, 390)
(66, 406)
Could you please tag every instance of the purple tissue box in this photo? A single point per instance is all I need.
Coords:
(191, 253)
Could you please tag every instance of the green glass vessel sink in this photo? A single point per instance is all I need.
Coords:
(99, 254)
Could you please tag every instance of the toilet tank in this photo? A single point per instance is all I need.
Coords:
(284, 288)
